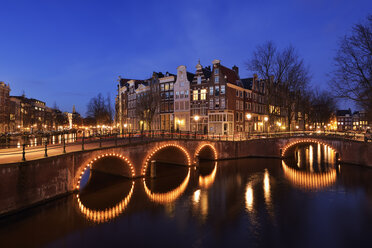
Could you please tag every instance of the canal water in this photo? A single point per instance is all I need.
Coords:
(307, 200)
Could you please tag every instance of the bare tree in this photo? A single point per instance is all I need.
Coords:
(352, 77)
(99, 109)
(323, 106)
(286, 78)
(146, 106)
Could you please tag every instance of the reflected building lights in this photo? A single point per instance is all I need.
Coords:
(311, 158)
(100, 216)
(169, 196)
(249, 198)
(196, 196)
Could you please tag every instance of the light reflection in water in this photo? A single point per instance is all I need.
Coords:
(107, 214)
(169, 196)
(308, 180)
(266, 188)
(207, 181)
(249, 198)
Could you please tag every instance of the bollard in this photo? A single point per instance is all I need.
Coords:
(46, 149)
(24, 152)
(64, 145)
(153, 169)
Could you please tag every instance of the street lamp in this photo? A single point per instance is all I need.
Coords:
(266, 127)
(196, 118)
(249, 117)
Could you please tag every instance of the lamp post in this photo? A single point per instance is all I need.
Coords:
(196, 118)
(249, 117)
(266, 120)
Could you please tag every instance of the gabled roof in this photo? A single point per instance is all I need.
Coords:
(207, 72)
(247, 83)
(343, 112)
(190, 76)
(230, 74)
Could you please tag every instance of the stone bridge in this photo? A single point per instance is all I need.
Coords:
(26, 183)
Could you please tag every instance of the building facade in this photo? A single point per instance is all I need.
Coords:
(4, 107)
(182, 99)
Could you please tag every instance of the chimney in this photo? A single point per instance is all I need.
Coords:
(236, 69)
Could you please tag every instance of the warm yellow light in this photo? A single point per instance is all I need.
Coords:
(297, 127)
(196, 117)
(125, 125)
(279, 123)
(266, 118)
(249, 116)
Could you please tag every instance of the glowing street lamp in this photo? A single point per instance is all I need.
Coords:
(249, 116)
(196, 118)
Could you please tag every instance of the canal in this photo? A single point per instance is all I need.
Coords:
(306, 200)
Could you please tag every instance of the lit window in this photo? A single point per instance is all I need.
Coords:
(166, 87)
(203, 94)
(216, 79)
(195, 95)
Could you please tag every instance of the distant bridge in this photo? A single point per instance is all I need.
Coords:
(24, 183)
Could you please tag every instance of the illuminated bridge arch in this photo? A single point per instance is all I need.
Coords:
(206, 151)
(106, 155)
(291, 144)
(155, 151)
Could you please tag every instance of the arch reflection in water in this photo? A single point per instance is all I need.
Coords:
(207, 181)
(308, 180)
(108, 213)
(169, 196)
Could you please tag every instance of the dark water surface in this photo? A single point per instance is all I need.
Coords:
(304, 201)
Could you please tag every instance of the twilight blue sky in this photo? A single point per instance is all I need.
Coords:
(67, 51)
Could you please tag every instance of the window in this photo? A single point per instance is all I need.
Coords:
(203, 94)
(216, 71)
(217, 103)
(171, 86)
(177, 94)
(176, 105)
(241, 105)
(237, 105)
(216, 79)
(217, 91)
(186, 94)
(199, 79)
(186, 105)
(166, 86)
(211, 91)
(241, 94)
(222, 103)
(210, 103)
(182, 94)
(237, 93)
(222, 89)
(195, 95)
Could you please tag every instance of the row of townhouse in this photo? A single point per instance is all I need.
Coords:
(212, 100)
(22, 114)
(346, 120)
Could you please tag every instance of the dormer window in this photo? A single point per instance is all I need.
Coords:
(216, 71)
(199, 80)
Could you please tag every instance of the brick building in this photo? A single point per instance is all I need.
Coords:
(4, 107)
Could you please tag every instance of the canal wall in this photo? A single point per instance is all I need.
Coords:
(28, 183)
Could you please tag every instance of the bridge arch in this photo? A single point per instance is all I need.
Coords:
(158, 149)
(292, 143)
(83, 168)
(206, 151)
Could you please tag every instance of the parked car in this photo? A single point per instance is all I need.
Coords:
(368, 135)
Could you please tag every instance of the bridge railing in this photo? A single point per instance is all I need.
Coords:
(71, 144)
